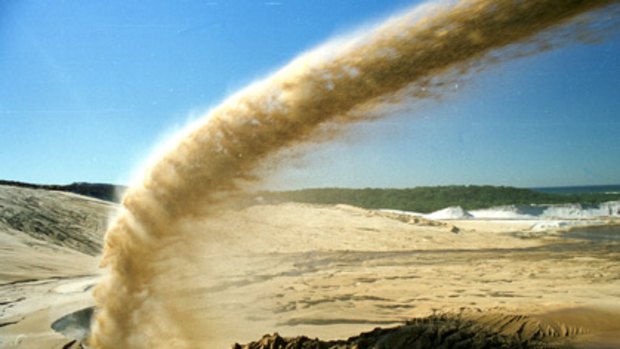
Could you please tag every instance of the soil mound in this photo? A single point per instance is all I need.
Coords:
(471, 330)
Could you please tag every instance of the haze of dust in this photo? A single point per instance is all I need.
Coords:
(141, 302)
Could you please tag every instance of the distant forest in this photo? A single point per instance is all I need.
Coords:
(103, 191)
(419, 199)
(429, 199)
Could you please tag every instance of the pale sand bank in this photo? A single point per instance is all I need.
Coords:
(333, 272)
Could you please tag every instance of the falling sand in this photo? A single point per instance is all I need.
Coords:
(345, 81)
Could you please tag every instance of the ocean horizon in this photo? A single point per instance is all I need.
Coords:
(580, 189)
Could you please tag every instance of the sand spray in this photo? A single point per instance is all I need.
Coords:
(345, 81)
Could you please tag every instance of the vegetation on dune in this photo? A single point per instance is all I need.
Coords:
(419, 199)
(102, 191)
(429, 199)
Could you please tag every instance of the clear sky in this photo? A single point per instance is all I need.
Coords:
(88, 88)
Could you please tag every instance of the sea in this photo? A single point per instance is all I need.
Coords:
(583, 189)
(603, 234)
(595, 234)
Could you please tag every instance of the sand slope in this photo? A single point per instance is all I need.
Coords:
(48, 246)
(335, 271)
(320, 271)
(61, 219)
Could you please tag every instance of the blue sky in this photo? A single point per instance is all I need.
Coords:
(89, 88)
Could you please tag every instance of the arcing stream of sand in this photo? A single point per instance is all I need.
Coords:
(145, 302)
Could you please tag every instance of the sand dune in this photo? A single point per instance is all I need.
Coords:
(326, 271)
(49, 243)
(62, 219)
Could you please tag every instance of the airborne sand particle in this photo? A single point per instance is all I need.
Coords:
(339, 83)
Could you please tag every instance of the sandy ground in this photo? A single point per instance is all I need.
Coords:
(48, 263)
(331, 272)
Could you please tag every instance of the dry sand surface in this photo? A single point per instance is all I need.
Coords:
(321, 271)
(48, 247)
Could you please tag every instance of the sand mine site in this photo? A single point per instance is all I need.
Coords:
(327, 276)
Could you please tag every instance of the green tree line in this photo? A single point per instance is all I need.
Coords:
(429, 199)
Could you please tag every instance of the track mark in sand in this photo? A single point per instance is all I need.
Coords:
(45, 280)
(309, 303)
(504, 294)
(337, 321)
(406, 277)
(70, 345)
(7, 304)
(396, 306)
(9, 323)
(12, 301)
(77, 286)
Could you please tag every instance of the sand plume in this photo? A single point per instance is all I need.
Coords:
(342, 82)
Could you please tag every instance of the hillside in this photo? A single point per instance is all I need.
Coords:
(103, 191)
(62, 219)
(429, 199)
(49, 246)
